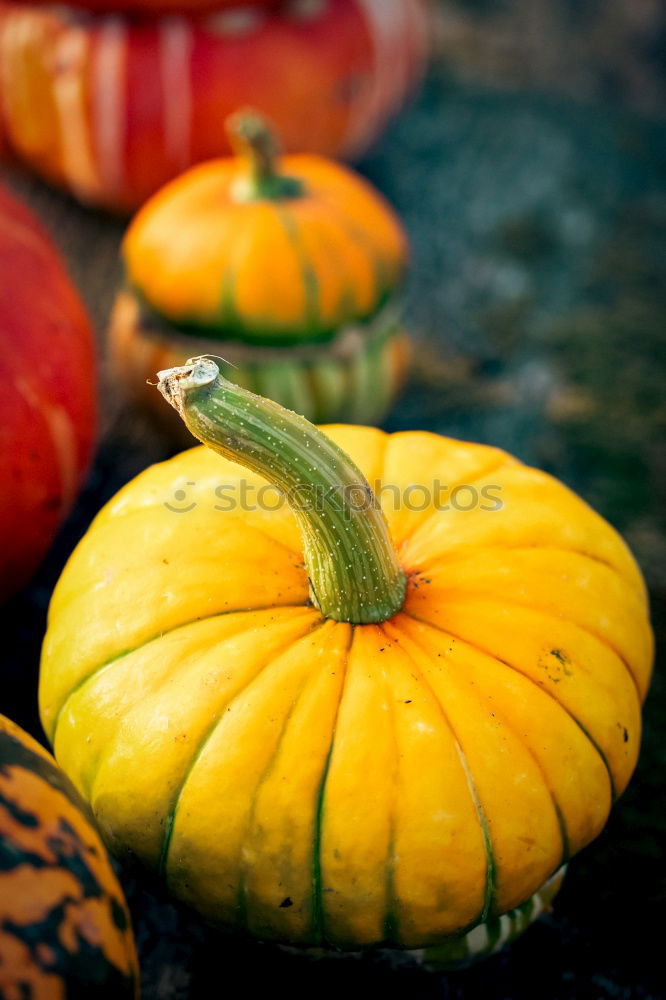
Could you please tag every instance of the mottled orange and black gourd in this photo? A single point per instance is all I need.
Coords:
(65, 930)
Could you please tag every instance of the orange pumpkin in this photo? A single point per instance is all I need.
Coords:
(289, 271)
(111, 109)
(328, 721)
(64, 925)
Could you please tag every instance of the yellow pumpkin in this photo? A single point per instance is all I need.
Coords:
(332, 720)
(288, 270)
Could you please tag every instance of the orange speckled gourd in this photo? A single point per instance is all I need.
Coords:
(351, 721)
(64, 926)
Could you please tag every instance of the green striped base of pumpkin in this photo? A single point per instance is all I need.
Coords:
(490, 937)
(470, 946)
(353, 378)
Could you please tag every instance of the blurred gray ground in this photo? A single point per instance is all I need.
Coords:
(538, 225)
(591, 50)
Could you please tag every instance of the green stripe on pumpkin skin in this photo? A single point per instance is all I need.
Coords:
(462, 948)
(347, 305)
(318, 909)
(361, 379)
(391, 925)
(52, 731)
(310, 279)
(566, 846)
(237, 331)
(244, 905)
(386, 284)
(229, 317)
(380, 372)
(510, 666)
(286, 384)
(491, 874)
(241, 374)
(491, 871)
(564, 855)
(526, 911)
(171, 815)
(493, 927)
(328, 382)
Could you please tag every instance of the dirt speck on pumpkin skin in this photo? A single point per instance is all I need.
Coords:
(555, 670)
(286, 903)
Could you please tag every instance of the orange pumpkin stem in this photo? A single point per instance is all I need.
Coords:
(256, 145)
(349, 556)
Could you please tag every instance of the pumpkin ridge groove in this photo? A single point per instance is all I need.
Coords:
(170, 818)
(510, 666)
(310, 279)
(154, 638)
(228, 312)
(391, 921)
(471, 596)
(491, 867)
(292, 552)
(383, 288)
(561, 822)
(469, 481)
(563, 549)
(347, 302)
(317, 891)
(156, 693)
(241, 905)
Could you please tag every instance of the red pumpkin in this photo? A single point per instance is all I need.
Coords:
(47, 407)
(111, 108)
(157, 6)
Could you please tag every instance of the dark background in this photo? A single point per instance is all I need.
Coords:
(531, 174)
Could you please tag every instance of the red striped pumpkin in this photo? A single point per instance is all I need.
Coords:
(159, 6)
(111, 109)
(47, 405)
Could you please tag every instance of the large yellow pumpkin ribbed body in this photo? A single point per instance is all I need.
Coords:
(313, 781)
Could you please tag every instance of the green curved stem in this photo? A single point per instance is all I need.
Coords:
(254, 142)
(350, 559)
